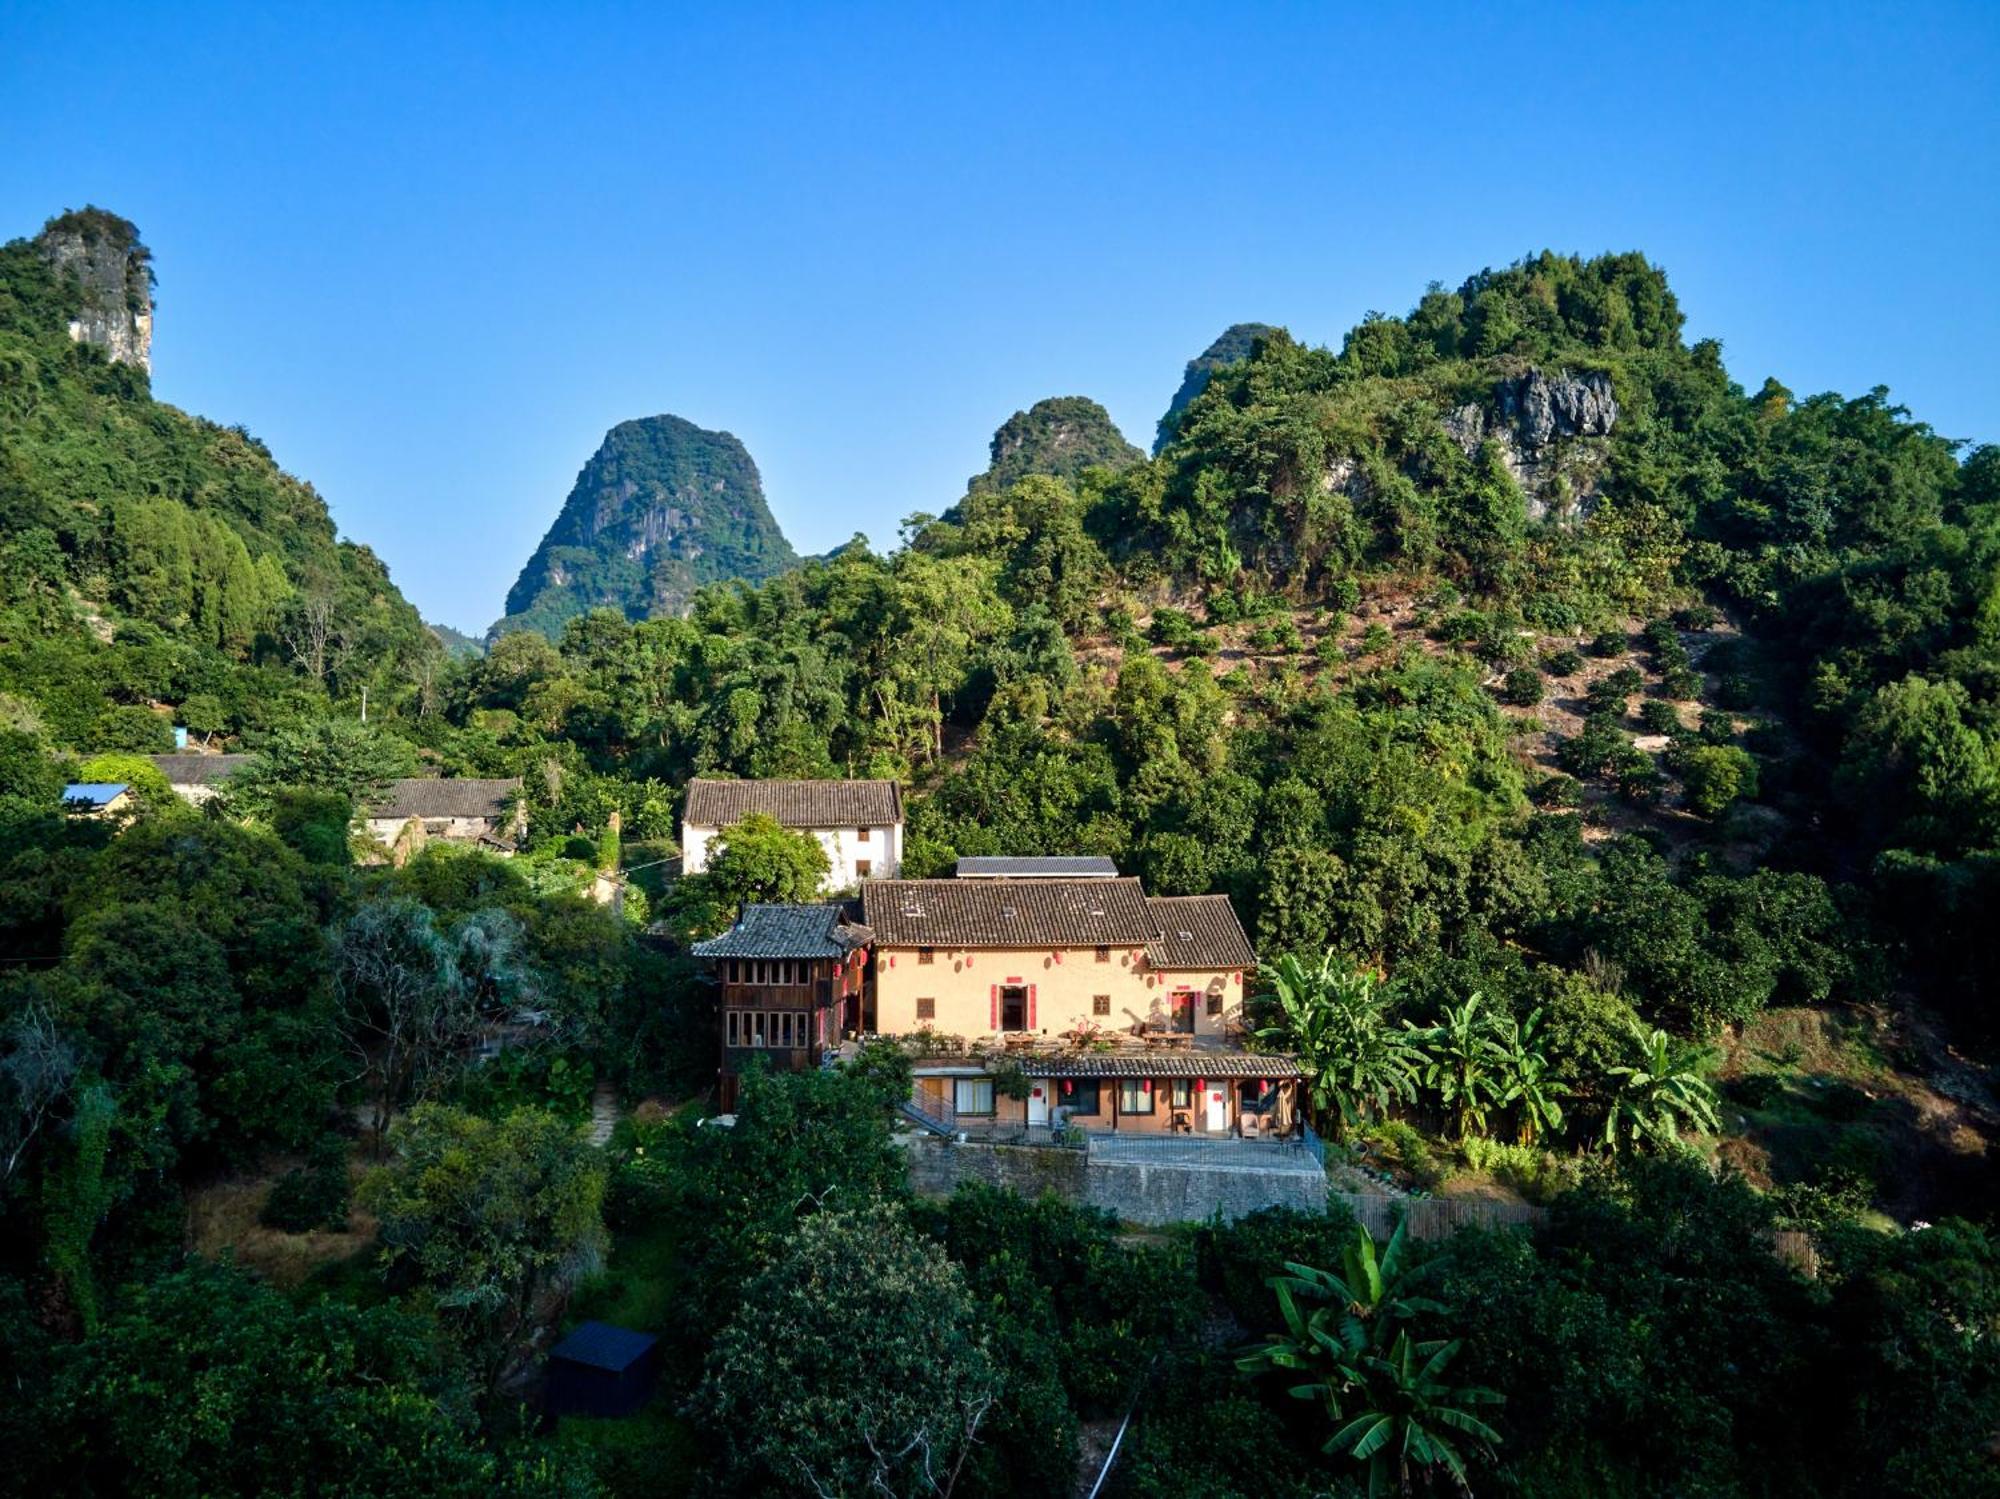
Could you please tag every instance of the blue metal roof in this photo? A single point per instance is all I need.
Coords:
(94, 793)
(599, 1345)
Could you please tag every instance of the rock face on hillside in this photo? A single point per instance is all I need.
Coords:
(1539, 423)
(1061, 436)
(104, 254)
(662, 507)
(1232, 347)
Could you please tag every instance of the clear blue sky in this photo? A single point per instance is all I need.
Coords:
(431, 253)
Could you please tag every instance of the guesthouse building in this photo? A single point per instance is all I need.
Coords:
(858, 823)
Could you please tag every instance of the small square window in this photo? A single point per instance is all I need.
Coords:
(861, 835)
(1104, 955)
(1100, 1004)
(863, 868)
(926, 955)
(1183, 1092)
(1215, 1004)
(926, 1008)
(735, 1026)
(1135, 1096)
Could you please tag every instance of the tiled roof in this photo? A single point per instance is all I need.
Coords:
(1197, 931)
(446, 797)
(796, 804)
(772, 931)
(1039, 867)
(1007, 913)
(199, 770)
(1163, 1064)
(94, 793)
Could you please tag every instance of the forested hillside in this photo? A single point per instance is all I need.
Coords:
(1604, 759)
(156, 559)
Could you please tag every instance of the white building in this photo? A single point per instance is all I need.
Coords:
(457, 810)
(858, 823)
(196, 778)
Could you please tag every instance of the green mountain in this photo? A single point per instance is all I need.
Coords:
(1061, 436)
(1233, 347)
(662, 507)
(171, 552)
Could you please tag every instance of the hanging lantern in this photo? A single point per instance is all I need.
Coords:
(1201, 1085)
(1146, 1085)
(1057, 955)
(1263, 1085)
(892, 960)
(1239, 978)
(1068, 1086)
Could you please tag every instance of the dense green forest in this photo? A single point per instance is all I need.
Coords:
(1603, 758)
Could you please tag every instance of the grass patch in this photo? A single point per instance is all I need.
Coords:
(223, 1220)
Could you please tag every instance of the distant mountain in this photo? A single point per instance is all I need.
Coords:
(662, 507)
(1061, 436)
(457, 644)
(1232, 347)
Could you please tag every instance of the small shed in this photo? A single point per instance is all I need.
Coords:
(601, 1370)
(96, 798)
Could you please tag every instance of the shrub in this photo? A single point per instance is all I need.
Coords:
(1376, 639)
(1522, 687)
(313, 1195)
(1566, 662)
(1659, 718)
(1683, 684)
(1716, 775)
(1345, 595)
(1608, 644)
(1627, 680)
(1536, 1174)
(1406, 1151)
(1172, 628)
(1716, 728)
(1736, 691)
(138, 731)
(1559, 791)
(1698, 617)
(1595, 749)
(1236, 1259)
(1607, 697)
(1640, 782)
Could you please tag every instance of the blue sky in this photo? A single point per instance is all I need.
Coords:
(431, 253)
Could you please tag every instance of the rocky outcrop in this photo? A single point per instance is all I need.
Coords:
(662, 508)
(1541, 424)
(1062, 437)
(115, 274)
(1233, 347)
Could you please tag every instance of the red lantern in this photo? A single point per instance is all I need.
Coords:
(1201, 1085)
(968, 960)
(1239, 980)
(1057, 956)
(892, 960)
(1146, 1085)
(1068, 1086)
(1263, 1085)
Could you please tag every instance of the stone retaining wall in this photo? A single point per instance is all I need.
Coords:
(1133, 1191)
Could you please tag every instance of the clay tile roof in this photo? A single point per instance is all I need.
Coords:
(1037, 867)
(796, 804)
(446, 797)
(1197, 931)
(1163, 1064)
(199, 770)
(772, 931)
(1008, 913)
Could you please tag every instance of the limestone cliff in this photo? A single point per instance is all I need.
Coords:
(662, 507)
(102, 251)
(1541, 424)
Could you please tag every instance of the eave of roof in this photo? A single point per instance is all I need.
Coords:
(1164, 1064)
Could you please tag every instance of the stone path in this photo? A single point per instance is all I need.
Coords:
(603, 1114)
